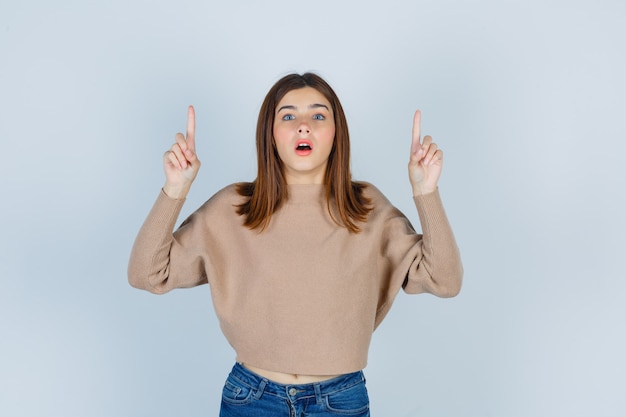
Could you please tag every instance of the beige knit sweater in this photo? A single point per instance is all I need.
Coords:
(305, 295)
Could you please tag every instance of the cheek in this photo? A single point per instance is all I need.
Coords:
(276, 132)
(328, 136)
(283, 133)
(326, 143)
(281, 141)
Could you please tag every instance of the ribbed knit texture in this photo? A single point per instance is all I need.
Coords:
(305, 295)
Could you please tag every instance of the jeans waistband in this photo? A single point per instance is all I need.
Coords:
(295, 391)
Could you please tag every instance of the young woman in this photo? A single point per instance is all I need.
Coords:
(303, 262)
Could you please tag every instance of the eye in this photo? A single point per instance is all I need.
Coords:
(288, 117)
(319, 117)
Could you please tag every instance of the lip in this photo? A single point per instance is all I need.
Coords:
(304, 142)
(304, 152)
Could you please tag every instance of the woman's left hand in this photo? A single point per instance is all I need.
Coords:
(426, 161)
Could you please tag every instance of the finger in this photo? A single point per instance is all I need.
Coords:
(191, 128)
(181, 142)
(189, 154)
(179, 154)
(415, 143)
(426, 143)
(430, 152)
(422, 150)
(436, 158)
(181, 148)
(186, 154)
(170, 159)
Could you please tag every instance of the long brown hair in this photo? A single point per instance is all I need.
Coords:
(269, 190)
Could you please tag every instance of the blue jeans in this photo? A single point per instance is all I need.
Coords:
(248, 394)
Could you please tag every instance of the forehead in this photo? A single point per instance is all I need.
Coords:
(303, 98)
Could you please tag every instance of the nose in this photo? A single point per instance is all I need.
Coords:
(304, 129)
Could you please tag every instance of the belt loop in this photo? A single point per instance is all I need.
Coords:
(318, 393)
(260, 389)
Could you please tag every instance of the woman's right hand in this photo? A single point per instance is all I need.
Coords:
(180, 162)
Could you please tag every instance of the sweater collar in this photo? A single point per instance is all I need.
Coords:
(306, 193)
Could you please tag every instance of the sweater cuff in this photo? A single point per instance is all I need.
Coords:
(424, 200)
(430, 209)
(166, 209)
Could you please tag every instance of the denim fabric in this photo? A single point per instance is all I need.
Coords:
(248, 394)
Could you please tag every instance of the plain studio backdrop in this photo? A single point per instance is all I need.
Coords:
(527, 99)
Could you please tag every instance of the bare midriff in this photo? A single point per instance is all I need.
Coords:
(288, 379)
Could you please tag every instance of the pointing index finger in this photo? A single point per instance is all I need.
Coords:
(416, 142)
(191, 128)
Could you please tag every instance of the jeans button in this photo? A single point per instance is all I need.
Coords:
(292, 392)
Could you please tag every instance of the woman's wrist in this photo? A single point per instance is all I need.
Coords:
(176, 192)
(418, 190)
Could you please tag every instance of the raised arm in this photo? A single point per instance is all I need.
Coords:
(439, 270)
(158, 262)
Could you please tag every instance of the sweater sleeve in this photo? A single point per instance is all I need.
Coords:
(161, 260)
(437, 267)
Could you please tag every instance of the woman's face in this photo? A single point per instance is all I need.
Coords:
(304, 132)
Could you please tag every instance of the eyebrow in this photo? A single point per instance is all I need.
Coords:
(311, 106)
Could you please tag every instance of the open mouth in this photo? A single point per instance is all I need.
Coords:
(303, 147)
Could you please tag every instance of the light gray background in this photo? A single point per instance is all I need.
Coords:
(526, 98)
